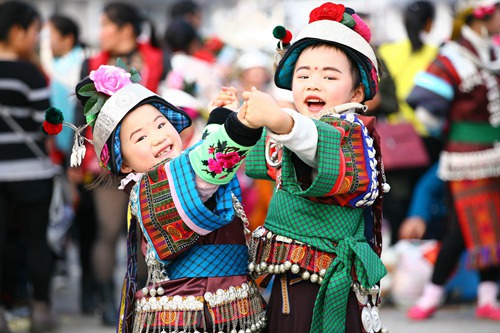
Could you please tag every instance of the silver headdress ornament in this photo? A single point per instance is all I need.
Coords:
(53, 124)
(106, 86)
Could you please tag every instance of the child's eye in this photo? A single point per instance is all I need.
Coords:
(140, 138)
(161, 125)
(303, 76)
(329, 78)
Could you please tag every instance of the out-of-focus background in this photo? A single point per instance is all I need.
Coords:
(237, 37)
(247, 23)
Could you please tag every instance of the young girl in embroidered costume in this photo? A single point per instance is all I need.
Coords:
(186, 204)
(458, 96)
(326, 211)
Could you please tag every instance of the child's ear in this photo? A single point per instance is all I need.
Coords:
(125, 168)
(359, 94)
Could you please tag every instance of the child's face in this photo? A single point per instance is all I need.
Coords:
(147, 138)
(322, 79)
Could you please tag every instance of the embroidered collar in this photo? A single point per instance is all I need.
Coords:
(342, 109)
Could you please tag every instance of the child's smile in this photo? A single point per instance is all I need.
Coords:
(147, 138)
(164, 152)
(315, 104)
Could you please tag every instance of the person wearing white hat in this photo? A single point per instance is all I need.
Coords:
(316, 240)
(186, 203)
(459, 96)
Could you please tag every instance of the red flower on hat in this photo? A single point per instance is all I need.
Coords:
(327, 11)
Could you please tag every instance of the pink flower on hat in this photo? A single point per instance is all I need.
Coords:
(327, 11)
(109, 79)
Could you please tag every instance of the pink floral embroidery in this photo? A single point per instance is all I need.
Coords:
(214, 166)
(228, 160)
(109, 79)
(224, 159)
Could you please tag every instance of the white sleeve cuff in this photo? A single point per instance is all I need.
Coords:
(302, 139)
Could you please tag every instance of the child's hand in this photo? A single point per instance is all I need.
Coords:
(260, 109)
(227, 98)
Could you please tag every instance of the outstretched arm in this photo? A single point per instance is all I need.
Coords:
(261, 110)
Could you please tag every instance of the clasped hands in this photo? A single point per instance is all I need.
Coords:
(259, 109)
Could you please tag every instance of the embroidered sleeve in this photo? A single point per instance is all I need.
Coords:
(219, 156)
(217, 117)
(434, 89)
(346, 163)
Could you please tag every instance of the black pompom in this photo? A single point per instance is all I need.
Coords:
(279, 32)
(349, 11)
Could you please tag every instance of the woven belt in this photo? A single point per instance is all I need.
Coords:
(275, 254)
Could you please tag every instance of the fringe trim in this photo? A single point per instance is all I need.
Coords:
(238, 308)
(470, 165)
(481, 257)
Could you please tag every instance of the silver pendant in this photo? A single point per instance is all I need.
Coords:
(366, 320)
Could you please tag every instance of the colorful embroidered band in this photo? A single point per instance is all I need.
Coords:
(196, 215)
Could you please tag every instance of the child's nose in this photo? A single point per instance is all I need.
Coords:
(312, 86)
(159, 138)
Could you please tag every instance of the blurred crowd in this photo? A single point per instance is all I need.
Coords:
(425, 119)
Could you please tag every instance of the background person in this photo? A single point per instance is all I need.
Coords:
(26, 172)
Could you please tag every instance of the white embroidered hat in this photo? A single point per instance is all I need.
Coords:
(339, 26)
(125, 100)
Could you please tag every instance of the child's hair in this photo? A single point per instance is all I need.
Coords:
(339, 26)
(182, 8)
(66, 26)
(179, 35)
(416, 16)
(14, 13)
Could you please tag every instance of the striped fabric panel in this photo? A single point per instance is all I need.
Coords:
(160, 219)
(429, 100)
(184, 185)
